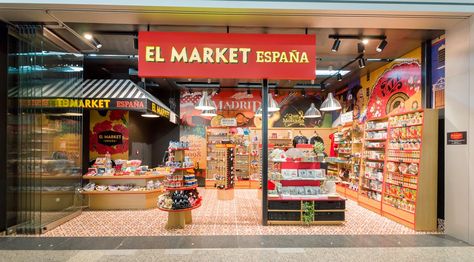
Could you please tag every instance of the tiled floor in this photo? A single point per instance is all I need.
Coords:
(214, 217)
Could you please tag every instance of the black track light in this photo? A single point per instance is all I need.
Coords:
(135, 42)
(361, 62)
(276, 92)
(360, 48)
(248, 91)
(190, 90)
(218, 90)
(339, 77)
(335, 45)
(323, 86)
(303, 92)
(381, 46)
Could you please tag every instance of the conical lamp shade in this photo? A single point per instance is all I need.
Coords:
(205, 103)
(211, 112)
(258, 113)
(330, 104)
(312, 112)
(272, 104)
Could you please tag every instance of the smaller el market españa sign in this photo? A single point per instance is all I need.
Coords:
(219, 55)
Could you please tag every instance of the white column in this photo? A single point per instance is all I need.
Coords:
(459, 169)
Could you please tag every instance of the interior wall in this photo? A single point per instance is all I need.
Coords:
(459, 113)
(149, 138)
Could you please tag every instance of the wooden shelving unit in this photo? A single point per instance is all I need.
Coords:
(412, 147)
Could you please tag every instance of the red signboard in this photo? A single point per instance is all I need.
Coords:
(218, 55)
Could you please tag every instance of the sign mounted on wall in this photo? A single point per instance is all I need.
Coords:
(457, 138)
(220, 55)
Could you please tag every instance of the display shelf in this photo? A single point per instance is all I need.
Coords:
(106, 192)
(375, 139)
(178, 149)
(181, 210)
(376, 129)
(371, 189)
(407, 125)
(49, 177)
(123, 177)
(400, 184)
(182, 168)
(399, 197)
(181, 188)
(375, 160)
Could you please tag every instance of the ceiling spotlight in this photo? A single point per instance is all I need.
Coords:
(335, 45)
(88, 36)
(218, 90)
(276, 92)
(248, 91)
(360, 48)
(303, 93)
(365, 41)
(381, 46)
(93, 40)
(312, 81)
(339, 77)
(135, 43)
(190, 90)
(361, 62)
(323, 86)
(208, 80)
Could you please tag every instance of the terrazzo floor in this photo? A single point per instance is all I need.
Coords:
(240, 216)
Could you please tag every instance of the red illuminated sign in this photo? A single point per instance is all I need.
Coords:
(217, 55)
(457, 138)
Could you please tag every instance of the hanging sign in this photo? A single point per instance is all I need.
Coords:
(457, 138)
(228, 122)
(219, 55)
(347, 117)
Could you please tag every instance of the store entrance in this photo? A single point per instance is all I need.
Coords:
(348, 148)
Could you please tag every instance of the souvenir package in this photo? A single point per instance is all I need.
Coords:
(302, 173)
(289, 173)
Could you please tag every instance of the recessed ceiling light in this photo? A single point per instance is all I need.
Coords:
(365, 41)
(88, 36)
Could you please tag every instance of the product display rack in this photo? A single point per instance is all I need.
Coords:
(352, 190)
(290, 211)
(371, 179)
(178, 218)
(410, 181)
(298, 185)
(117, 200)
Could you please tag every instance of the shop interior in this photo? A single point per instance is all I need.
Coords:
(351, 152)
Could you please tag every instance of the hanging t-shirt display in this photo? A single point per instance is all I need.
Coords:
(332, 150)
(315, 139)
(299, 140)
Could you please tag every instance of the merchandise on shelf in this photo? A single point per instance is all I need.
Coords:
(181, 199)
(150, 185)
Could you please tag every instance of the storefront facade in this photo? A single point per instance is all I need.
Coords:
(456, 20)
